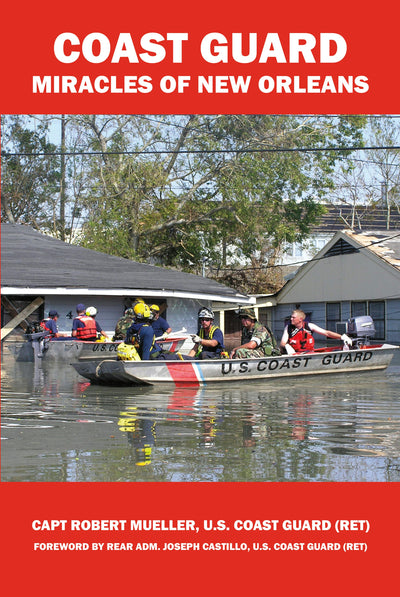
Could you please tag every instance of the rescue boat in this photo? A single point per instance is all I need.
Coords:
(40, 346)
(112, 371)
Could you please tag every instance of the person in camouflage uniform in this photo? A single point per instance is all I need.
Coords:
(257, 340)
(123, 324)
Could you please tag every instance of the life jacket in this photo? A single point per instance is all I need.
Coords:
(217, 349)
(43, 324)
(127, 352)
(89, 331)
(301, 339)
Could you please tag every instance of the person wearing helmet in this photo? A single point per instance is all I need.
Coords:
(123, 324)
(92, 312)
(142, 311)
(209, 341)
(141, 333)
(160, 325)
(257, 340)
(83, 326)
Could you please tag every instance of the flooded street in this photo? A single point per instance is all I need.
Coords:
(55, 426)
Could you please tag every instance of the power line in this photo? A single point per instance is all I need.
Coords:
(265, 267)
(204, 151)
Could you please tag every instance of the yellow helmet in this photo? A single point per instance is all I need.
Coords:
(154, 308)
(142, 311)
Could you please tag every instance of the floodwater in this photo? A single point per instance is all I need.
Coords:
(55, 426)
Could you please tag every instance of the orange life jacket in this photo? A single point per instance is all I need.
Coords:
(301, 339)
(89, 331)
(43, 326)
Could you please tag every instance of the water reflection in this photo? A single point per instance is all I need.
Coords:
(140, 431)
(57, 427)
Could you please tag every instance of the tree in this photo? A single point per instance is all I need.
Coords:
(218, 185)
(385, 132)
(30, 177)
(370, 182)
(185, 191)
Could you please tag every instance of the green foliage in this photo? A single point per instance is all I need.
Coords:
(30, 182)
(183, 190)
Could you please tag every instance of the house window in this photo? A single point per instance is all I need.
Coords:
(358, 309)
(377, 310)
(320, 244)
(297, 250)
(294, 249)
(333, 315)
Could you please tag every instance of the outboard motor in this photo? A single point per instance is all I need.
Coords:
(360, 329)
(38, 336)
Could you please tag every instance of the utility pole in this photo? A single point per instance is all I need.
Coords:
(385, 198)
(62, 179)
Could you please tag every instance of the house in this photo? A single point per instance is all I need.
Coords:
(339, 216)
(40, 273)
(356, 273)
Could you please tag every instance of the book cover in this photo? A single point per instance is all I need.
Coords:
(210, 58)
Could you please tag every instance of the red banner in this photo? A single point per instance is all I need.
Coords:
(163, 58)
(236, 537)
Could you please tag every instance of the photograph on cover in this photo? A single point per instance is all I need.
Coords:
(200, 298)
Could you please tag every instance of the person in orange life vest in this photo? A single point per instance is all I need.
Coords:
(298, 334)
(83, 326)
(92, 312)
(50, 324)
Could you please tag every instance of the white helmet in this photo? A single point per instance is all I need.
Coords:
(91, 311)
(205, 313)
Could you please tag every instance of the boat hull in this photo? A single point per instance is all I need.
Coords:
(196, 373)
(71, 350)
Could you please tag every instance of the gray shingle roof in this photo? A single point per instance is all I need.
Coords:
(32, 260)
(365, 218)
